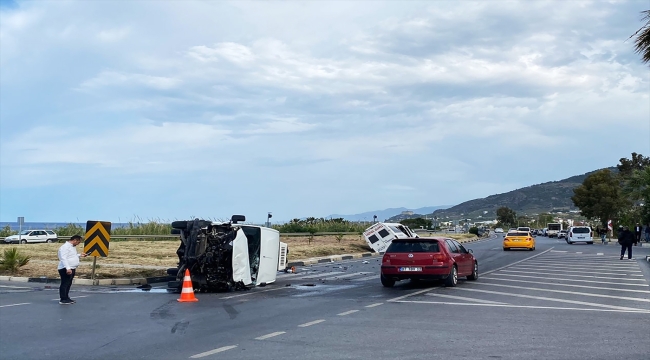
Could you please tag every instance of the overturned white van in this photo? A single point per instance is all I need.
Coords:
(380, 235)
(227, 255)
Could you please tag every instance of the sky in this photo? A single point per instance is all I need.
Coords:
(169, 110)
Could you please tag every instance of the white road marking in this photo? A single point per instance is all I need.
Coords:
(344, 276)
(559, 251)
(211, 352)
(373, 305)
(250, 293)
(311, 323)
(572, 285)
(263, 337)
(552, 299)
(600, 271)
(577, 272)
(578, 252)
(321, 275)
(14, 287)
(517, 262)
(465, 298)
(524, 306)
(568, 292)
(590, 266)
(600, 253)
(375, 277)
(347, 312)
(9, 305)
(565, 279)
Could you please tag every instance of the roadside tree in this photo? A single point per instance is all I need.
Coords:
(599, 197)
(642, 42)
(506, 216)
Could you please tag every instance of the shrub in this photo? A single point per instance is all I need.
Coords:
(12, 260)
(339, 238)
(473, 230)
(6, 231)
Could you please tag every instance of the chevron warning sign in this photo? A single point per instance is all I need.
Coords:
(98, 236)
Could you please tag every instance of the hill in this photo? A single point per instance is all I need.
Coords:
(386, 213)
(546, 197)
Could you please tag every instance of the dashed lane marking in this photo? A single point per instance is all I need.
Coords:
(582, 266)
(523, 306)
(600, 253)
(566, 279)
(211, 352)
(465, 299)
(344, 276)
(570, 285)
(321, 275)
(565, 292)
(9, 305)
(264, 337)
(552, 299)
(250, 293)
(375, 277)
(14, 287)
(311, 323)
(347, 312)
(574, 272)
(373, 305)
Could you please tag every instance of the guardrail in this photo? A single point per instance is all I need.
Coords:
(144, 237)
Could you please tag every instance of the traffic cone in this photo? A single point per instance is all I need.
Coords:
(187, 293)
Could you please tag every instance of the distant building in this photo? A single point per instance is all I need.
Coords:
(407, 213)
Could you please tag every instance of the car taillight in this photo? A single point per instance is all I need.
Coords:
(439, 258)
(385, 259)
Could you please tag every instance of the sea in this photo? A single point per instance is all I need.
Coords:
(50, 225)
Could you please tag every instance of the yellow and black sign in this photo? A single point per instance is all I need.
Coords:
(98, 235)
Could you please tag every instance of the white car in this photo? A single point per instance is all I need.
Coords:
(579, 234)
(498, 230)
(33, 236)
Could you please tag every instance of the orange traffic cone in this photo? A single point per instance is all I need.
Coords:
(187, 293)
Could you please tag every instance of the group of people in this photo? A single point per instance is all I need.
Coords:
(627, 238)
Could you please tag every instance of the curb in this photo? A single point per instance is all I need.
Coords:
(103, 282)
(329, 259)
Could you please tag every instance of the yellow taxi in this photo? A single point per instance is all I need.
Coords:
(519, 240)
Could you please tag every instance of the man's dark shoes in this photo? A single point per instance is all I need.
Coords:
(621, 258)
(66, 302)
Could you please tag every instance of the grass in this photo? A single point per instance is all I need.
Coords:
(163, 254)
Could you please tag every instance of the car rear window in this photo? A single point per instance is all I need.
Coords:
(581, 230)
(413, 246)
(517, 234)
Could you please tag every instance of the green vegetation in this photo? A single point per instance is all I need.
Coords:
(642, 42)
(313, 225)
(506, 216)
(623, 197)
(473, 230)
(416, 223)
(12, 260)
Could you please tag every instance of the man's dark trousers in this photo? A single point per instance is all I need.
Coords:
(629, 250)
(66, 283)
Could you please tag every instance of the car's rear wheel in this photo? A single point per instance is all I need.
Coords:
(23, 241)
(506, 249)
(386, 281)
(452, 279)
(48, 241)
(474, 275)
(590, 242)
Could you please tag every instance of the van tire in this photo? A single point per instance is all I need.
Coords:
(386, 281)
(182, 225)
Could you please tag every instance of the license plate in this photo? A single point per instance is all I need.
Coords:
(410, 268)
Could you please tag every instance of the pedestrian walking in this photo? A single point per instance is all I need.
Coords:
(626, 239)
(68, 262)
(603, 235)
(647, 233)
(637, 234)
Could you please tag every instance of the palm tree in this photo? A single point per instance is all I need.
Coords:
(642, 42)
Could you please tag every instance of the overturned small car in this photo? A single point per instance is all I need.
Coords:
(224, 256)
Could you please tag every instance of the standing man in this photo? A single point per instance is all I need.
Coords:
(637, 234)
(647, 233)
(68, 262)
(626, 238)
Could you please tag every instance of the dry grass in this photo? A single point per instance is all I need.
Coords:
(163, 254)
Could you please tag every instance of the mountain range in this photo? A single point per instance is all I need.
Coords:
(552, 196)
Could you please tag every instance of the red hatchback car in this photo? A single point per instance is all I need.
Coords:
(427, 258)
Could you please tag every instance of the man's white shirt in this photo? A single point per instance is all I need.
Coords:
(68, 256)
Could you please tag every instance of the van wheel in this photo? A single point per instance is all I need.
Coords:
(590, 242)
(474, 275)
(386, 281)
(182, 225)
(452, 279)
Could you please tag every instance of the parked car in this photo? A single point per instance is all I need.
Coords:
(579, 234)
(32, 236)
(523, 228)
(518, 240)
(562, 234)
(427, 259)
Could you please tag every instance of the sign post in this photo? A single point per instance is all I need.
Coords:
(97, 240)
(21, 221)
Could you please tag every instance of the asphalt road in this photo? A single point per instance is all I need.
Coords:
(557, 302)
